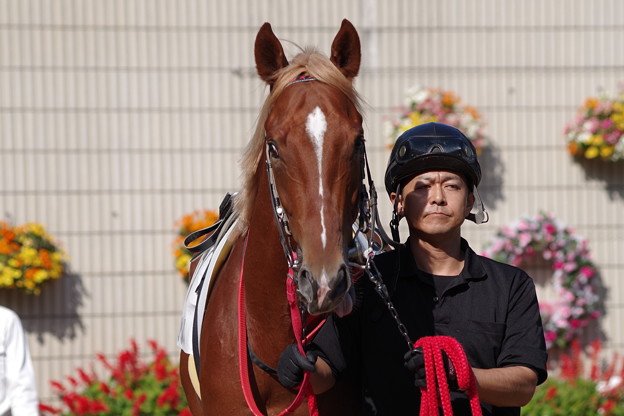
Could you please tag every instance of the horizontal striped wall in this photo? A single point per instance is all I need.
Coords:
(117, 117)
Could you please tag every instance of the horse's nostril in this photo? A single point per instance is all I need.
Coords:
(305, 284)
(342, 281)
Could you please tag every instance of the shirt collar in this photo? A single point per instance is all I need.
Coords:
(473, 269)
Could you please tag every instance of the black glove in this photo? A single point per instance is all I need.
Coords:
(415, 361)
(292, 364)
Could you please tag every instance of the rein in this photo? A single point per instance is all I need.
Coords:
(437, 392)
(305, 390)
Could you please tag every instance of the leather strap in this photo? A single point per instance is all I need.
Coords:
(243, 354)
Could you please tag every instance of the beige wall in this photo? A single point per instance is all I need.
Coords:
(117, 117)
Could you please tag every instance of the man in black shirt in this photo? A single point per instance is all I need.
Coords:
(438, 286)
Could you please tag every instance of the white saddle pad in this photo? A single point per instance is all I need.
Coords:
(209, 263)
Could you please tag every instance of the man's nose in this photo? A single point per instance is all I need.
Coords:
(437, 195)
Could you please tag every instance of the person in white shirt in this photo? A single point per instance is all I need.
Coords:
(18, 393)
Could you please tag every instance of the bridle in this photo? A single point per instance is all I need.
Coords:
(368, 221)
(360, 254)
(364, 245)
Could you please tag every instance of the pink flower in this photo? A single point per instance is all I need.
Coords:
(591, 125)
(525, 239)
(604, 107)
(606, 124)
(612, 137)
(587, 271)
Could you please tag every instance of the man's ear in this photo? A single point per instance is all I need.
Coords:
(398, 203)
(470, 200)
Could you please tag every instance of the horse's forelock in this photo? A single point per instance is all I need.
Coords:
(312, 63)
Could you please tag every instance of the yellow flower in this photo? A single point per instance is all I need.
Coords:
(415, 119)
(606, 151)
(591, 152)
(41, 276)
(618, 120)
(28, 255)
(6, 277)
(595, 140)
(36, 229)
(181, 263)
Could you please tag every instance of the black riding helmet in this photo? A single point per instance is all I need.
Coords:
(433, 146)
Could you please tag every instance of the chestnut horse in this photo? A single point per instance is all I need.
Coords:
(301, 193)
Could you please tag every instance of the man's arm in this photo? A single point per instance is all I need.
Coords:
(19, 372)
(507, 386)
(322, 378)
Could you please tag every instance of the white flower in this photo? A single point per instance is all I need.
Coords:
(613, 382)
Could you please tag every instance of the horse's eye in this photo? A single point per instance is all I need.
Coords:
(273, 153)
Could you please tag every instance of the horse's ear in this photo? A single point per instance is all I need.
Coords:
(345, 50)
(269, 54)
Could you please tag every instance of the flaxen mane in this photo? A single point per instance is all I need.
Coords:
(309, 62)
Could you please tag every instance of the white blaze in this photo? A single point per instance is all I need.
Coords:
(316, 125)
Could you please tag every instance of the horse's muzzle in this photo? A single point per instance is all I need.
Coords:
(322, 293)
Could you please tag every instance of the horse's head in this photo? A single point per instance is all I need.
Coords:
(314, 144)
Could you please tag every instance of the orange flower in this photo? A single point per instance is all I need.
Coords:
(591, 103)
(30, 273)
(189, 223)
(5, 248)
(45, 258)
(449, 99)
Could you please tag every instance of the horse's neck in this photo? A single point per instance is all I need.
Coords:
(265, 274)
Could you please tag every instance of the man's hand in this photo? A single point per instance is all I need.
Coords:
(415, 361)
(291, 366)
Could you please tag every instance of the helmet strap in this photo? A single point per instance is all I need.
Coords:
(481, 215)
(396, 218)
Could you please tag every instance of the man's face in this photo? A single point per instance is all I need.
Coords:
(435, 203)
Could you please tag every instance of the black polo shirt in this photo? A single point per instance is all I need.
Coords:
(490, 308)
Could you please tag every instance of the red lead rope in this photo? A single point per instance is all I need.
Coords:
(243, 362)
(437, 392)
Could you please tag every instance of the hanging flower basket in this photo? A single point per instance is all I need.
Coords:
(597, 131)
(29, 257)
(424, 105)
(189, 223)
(574, 275)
